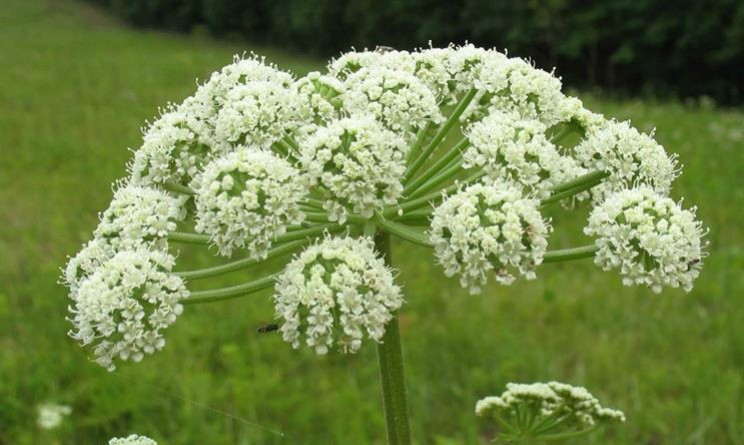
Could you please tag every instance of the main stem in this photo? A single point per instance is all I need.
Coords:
(390, 358)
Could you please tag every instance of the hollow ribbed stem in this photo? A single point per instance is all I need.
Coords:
(431, 197)
(420, 137)
(437, 167)
(238, 264)
(574, 253)
(227, 293)
(453, 169)
(188, 238)
(390, 359)
(405, 232)
(439, 137)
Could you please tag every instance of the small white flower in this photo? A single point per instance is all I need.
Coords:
(125, 304)
(51, 415)
(488, 227)
(358, 163)
(572, 408)
(336, 291)
(509, 147)
(649, 238)
(259, 113)
(139, 214)
(132, 440)
(246, 199)
(629, 156)
(394, 97)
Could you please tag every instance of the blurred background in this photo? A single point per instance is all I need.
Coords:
(78, 81)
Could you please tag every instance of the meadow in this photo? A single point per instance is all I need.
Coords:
(77, 86)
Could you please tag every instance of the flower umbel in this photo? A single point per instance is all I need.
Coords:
(545, 412)
(132, 440)
(336, 291)
(651, 240)
(485, 227)
(124, 305)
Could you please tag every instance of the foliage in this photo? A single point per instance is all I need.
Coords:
(686, 48)
(677, 358)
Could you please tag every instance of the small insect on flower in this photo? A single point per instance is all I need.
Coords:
(270, 327)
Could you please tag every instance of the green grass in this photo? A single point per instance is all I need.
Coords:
(75, 88)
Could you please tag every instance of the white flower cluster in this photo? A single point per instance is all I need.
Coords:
(394, 97)
(578, 408)
(629, 156)
(246, 199)
(649, 238)
(174, 146)
(335, 291)
(132, 440)
(125, 304)
(259, 113)
(509, 147)
(51, 415)
(489, 227)
(137, 214)
(322, 94)
(358, 163)
(513, 84)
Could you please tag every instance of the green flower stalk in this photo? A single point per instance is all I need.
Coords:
(457, 149)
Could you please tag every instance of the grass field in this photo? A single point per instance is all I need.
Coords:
(76, 87)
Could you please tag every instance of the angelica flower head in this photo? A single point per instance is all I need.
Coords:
(629, 156)
(358, 165)
(85, 262)
(554, 408)
(514, 84)
(139, 214)
(175, 146)
(259, 113)
(336, 291)
(132, 440)
(489, 227)
(125, 304)
(322, 93)
(509, 147)
(394, 97)
(350, 62)
(649, 238)
(246, 199)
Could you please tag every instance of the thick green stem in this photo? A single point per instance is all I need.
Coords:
(390, 358)
(437, 167)
(452, 170)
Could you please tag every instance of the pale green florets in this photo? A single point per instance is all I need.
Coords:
(132, 440)
(353, 61)
(335, 292)
(649, 238)
(394, 97)
(125, 304)
(85, 262)
(567, 408)
(508, 147)
(629, 157)
(322, 94)
(246, 199)
(259, 113)
(513, 84)
(358, 165)
(485, 228)
(174, 146)
(139, 214)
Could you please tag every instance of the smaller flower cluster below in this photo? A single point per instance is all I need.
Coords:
(132, 440)
(545, 411)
